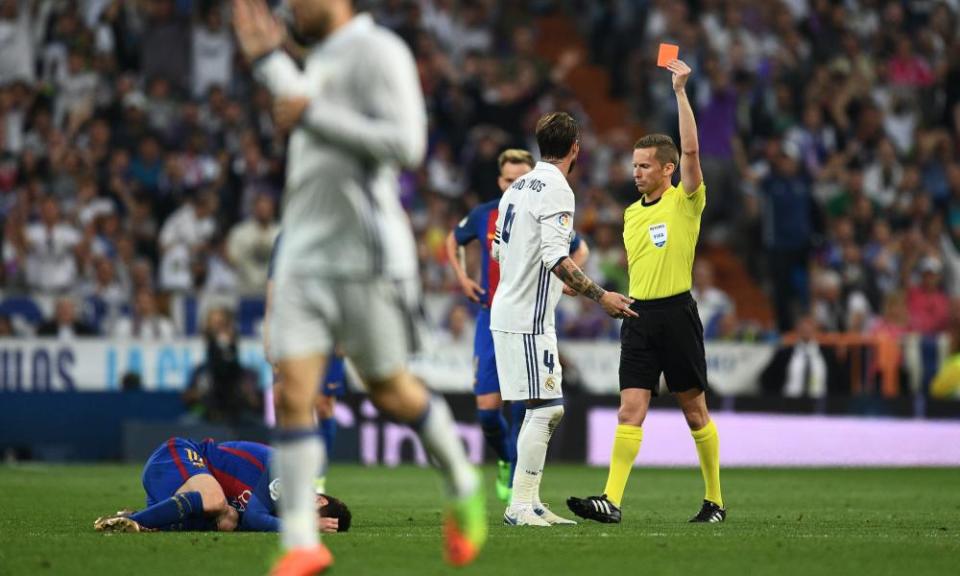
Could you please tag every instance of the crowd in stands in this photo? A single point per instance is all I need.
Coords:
(139, 161)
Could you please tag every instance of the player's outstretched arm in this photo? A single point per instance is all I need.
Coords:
(690, 173)
(614, 304)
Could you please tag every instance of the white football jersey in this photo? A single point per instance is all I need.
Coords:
(534, 230)
(342, 216)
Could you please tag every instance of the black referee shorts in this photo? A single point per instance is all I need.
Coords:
(667, 338)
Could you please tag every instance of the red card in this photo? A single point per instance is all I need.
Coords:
(667, 53)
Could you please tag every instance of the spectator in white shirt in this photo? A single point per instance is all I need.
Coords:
(16, 48)
(250, 243)
(212, 62)
(186, 231)
(51, 251)
(146, 323)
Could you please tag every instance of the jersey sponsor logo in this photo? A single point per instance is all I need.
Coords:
(658, 235)
(463, 222)
(241, 502)
(564, 220)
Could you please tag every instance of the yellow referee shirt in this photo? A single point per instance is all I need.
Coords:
(660, 239)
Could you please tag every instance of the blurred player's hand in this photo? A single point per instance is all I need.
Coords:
(471, 289)
(258, 31)
(569, 291)
(681, 73)
(287, 111)
(617, 305)
(329, 525)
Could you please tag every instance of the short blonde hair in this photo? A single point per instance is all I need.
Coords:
(515, 156)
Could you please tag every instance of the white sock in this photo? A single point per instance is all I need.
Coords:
(296, 461)
(439, 435)
(538, 426)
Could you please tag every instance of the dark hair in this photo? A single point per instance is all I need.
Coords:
(556, 134)
(335, 508)
(666, 150)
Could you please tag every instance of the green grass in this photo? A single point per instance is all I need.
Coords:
(780, 522)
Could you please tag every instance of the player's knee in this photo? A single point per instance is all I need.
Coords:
(214, 502)
(288, 400)
(696, 418)
(631, 414)
(489, 402)
(324, 405)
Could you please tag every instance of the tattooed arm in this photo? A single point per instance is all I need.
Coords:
(614, 304)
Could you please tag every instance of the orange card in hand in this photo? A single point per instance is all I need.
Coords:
(667, 53)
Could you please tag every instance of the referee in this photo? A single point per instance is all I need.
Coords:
(660, 233)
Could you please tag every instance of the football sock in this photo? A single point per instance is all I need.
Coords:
(538, 426)
(328, 432)
(179, 508)
(298, 456)
(517, 413)
(438, 432)
(626, 444)
(708, 449)
(496, 432)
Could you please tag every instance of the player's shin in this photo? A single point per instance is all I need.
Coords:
(438, 432)
(299, 454)
(708, 450)
(538, 426)
(626, 445)
(517, 413)
(182, 511)
(496, 432)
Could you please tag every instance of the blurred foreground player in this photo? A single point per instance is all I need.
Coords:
(660, 233)
(346, 271)
(208, 485)
(333, 385)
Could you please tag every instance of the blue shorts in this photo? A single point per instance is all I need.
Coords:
(170, 465)
(335, 382)
(485, 379)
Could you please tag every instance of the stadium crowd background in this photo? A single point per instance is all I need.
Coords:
(139, 164)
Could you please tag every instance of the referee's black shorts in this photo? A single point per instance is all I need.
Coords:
(667, 338)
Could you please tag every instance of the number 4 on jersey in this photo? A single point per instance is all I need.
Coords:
(548, 360)
(508, 219)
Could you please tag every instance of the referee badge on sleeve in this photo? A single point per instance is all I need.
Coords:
(658, 235)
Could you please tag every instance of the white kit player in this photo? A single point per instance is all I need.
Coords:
(532, 244)
(346, 271)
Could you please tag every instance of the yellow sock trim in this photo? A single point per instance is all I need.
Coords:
(708, 449)
(626, 445)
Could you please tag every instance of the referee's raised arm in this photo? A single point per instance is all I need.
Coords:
(690, 174)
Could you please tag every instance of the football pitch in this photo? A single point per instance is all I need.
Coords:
(780, 522)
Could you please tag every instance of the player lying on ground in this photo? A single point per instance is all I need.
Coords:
(208, 485)
(660, 234)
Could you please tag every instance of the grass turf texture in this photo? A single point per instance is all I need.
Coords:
(781, 522)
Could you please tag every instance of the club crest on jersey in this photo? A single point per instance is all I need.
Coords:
(564, 220)
(658, 235)
(550, 384)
